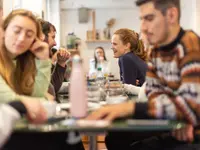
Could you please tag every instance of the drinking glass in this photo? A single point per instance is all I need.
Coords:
(115, 92)
(63, 98)
(93, 93)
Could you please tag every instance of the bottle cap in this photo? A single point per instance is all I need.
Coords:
(77, 58)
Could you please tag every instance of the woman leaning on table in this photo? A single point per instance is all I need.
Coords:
(25, 70)
(24, 59)
(12, 111)
(23, 64)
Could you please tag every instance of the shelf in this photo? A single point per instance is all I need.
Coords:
(98, 41)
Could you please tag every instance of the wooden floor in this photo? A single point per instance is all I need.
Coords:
(100, 139)
(100, 146)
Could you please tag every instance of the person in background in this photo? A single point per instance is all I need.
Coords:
(127, 46)
(172, 81)
(25, 66)
(137, 90)
(59, 59)
(99, 60)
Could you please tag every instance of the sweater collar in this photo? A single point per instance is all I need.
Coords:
(173, 44)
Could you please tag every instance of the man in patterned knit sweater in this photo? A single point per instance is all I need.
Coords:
(173, 76)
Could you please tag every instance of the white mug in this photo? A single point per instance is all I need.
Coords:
(50, 108)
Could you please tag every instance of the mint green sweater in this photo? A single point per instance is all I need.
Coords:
(41, 84)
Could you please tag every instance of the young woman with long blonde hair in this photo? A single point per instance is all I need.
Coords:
(24, 58)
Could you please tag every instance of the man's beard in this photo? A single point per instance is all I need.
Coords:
(164, 37)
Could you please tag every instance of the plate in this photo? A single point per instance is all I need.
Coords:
(91, 106)
(116, 99)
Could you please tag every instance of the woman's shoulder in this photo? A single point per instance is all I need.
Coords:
(129, 57)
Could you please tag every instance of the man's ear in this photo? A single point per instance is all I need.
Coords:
(172, 15)
(46, 38)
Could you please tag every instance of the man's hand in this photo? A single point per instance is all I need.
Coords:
(184, 134)
(137, 82)
(40, 49)
(112, 112)
(63, 55)
(36, 113)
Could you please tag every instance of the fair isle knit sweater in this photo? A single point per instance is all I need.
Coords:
(173, 81)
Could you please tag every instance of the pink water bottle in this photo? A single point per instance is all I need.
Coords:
(78, 93)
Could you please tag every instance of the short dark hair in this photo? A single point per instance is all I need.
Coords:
(46, 27)
(162, 5)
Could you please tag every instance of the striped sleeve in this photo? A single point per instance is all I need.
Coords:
(160, 103)
(188, 95)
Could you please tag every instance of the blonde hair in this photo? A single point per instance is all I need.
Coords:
(20, 76)
(136, 45)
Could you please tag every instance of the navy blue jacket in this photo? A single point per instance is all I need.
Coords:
(132, 68)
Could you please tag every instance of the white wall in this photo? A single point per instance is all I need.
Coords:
(37, 6)
(126, 17)
(188, 14)
(7, 7)
(33, 5)
(197, 13)
(53, 16)
(71, 4)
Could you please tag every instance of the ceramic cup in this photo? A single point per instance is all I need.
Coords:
(50, 107)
